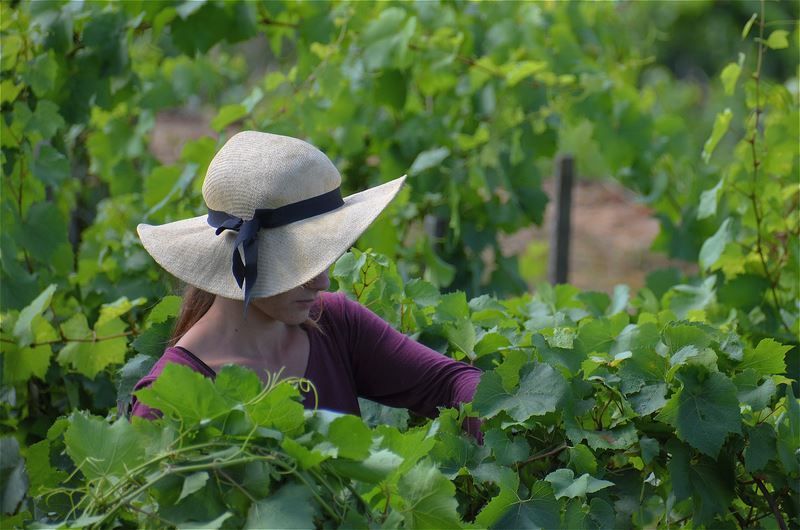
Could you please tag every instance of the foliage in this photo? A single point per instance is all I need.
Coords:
(668, 408)
(596, 413)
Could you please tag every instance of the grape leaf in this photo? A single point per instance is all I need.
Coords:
(761, 447)
(428, 498)
(292, 506)
(351, 436)
(768, 358)
(185, 394)
(428, 159)
(778, 39)
(566, 485)
(14, 480)
(279, 409)
(23, 329)
(704, 411)
(540, 391)
(21, 363)
(751, 393)
(721, 124)
(713, 246)
(101, 450)
(508, 510)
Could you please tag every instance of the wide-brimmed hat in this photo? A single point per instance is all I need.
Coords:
(276, 219)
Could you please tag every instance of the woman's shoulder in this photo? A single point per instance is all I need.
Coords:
(175, 355)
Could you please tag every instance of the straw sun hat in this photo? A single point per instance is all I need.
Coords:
(276, 219)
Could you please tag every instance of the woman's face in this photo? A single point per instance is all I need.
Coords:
(292, 307)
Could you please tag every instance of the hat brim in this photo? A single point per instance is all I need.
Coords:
(288, 256)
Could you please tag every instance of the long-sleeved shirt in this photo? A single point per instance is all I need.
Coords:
(353, 354)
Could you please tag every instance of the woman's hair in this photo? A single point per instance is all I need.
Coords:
(196, 303)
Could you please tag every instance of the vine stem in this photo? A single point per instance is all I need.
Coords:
(64, 339)
(771, 501)
(539, 456)
(756, 164)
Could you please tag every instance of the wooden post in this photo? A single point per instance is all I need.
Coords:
(558, 263)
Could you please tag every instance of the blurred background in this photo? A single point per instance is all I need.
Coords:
(116, 109)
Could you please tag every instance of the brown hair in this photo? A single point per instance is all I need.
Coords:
(196, 303)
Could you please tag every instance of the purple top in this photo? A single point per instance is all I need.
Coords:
(357, 354)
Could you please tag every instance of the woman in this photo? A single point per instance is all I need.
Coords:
(257, 270)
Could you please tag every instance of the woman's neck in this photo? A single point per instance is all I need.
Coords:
(224, 333)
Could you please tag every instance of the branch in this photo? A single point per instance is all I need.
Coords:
(539, 456)
(773, 282)
(771, 501)
(65, 339)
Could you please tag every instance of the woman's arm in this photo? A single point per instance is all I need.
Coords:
(395, 370)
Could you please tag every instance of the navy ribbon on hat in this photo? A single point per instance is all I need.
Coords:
(245, 267)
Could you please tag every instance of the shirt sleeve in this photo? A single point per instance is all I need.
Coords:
(397, 371)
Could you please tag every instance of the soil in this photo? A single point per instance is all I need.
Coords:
(610, 240)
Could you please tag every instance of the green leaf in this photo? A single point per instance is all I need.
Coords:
(761, 447)
(721, 124)
(428, 159)
(41, 73)
(23, 328)
(110, 311)
(452, 308)
(50, 166)
(306, 458)
(704, 411)
(292, 506)
(522, 69)
(182, 393)
(386, 39)
(237, 383)
(709, 200)
(428, 498)
(538, 510)
(788, 429)
(713, 246)
(41, 473)
(13, 479)
(778, 39)
(749, 24)
(749, 392)
(597, 336)
(566, 485)
(462, 336)
(45, 120)
(729, 76)
(686, 298)
(374, 469)
(351, 436)
(22, 363)
(506, 451)
(768, 358)
(46, 232)
(153, 340)
(540, 391)
(279, 409)
(227, 115)
(422, 293)
(706, 481)
(650, 449)
(165, 309)
(192, 483)
(101, 450)
(582, 460)
(89, 352)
